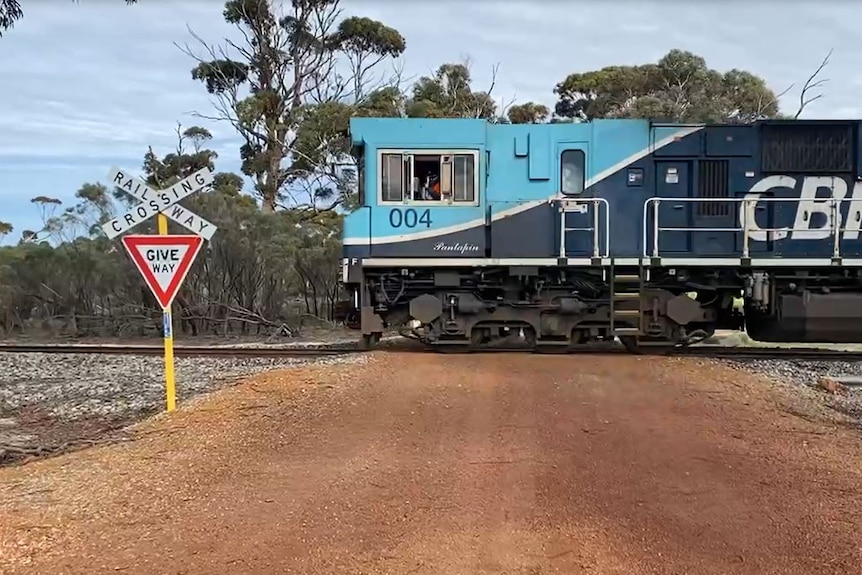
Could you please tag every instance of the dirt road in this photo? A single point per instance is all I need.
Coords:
(512, 464)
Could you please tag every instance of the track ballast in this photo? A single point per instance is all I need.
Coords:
(705, 351)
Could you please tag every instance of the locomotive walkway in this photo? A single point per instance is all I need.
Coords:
(453, 465)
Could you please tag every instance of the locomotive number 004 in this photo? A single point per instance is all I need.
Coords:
(409, 218)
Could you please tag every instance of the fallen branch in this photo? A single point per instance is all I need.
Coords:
(21, 454)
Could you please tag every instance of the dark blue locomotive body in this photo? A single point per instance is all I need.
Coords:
(565, 233)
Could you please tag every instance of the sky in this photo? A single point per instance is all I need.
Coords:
(89, 86)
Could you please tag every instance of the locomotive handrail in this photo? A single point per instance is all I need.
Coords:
(595, 204)
(748, 218)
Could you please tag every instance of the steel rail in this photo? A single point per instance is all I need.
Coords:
(704, 351)
(784, 353)
(180, 351)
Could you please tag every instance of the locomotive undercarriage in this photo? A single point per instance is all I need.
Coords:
(552, 308)
(567, 308)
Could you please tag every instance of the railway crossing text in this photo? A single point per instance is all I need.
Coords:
(163, 260)
(162, 201)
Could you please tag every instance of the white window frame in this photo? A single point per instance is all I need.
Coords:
(412, 152)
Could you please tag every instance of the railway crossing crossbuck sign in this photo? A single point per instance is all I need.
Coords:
(160, 201)
(164, 262)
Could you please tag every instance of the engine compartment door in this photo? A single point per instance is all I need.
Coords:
(673, 184)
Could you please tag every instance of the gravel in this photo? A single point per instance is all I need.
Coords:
(803, 376)
(55, 399)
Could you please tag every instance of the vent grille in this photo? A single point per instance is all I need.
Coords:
(808, 148)
(713, 182)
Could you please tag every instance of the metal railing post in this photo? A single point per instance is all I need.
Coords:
(607, 228)
(562, 209)
(655, 228)
(836, 225)
(595, 205)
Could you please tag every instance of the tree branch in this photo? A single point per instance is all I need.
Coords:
(810, 84)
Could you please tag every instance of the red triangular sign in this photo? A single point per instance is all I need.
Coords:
(164, 262)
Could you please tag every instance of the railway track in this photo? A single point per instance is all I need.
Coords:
(714, 352)
(754, 353)
(180, 350)
(707, 351)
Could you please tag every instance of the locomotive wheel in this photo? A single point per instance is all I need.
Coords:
(352, 321)
(632, 343)
(369, 340)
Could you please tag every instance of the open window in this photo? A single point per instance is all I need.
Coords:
(429, 177)
(572, 168)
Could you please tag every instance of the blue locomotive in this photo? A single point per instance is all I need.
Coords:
(470, 233)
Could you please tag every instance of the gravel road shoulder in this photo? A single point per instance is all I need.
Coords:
(801, 382)
(51, 403)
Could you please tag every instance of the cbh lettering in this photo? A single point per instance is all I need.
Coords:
(813, 217)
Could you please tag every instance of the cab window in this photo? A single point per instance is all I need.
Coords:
(572, 172)
(429, 176)
(392, 178)
(463, 181)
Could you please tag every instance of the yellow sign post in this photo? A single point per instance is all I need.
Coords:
(168, 332)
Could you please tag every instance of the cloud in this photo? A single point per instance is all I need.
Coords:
(95, 83)
(538, 43)
(100, 77)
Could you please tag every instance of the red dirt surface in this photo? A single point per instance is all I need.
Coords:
(421, 463)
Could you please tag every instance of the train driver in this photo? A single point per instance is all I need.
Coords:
(431, 188)
(434, 187)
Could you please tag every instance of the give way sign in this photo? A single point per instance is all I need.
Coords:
(164, 261)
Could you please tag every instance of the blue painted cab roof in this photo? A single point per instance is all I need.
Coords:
(376, 131)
